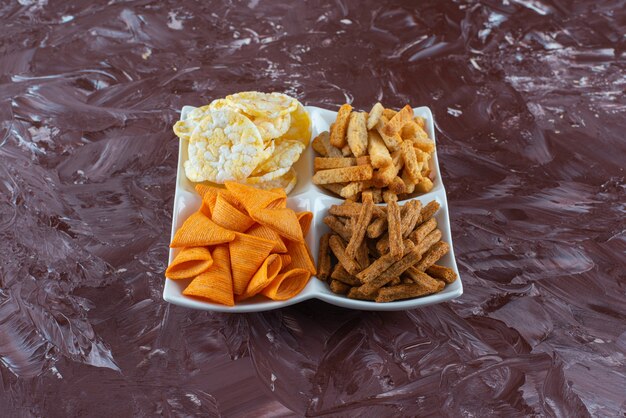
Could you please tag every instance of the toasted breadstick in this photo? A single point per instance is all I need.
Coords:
(442, 273)
(428, 211)
(395, 230)
(338, 227)
(364, 160)
(374, 115)
(378, 151)
(321, 163)
(410, 161)
(394, 281)
(438, 250)
(341, 274)
(334, 188)
(355, 294)
(401, 291)
(428, 241)
(393, 142)
(358, 232)
(339, 249)
(318, 144)
(395, 124)
(343, 175)
(418, 276)
(338, 131)
(323, 258)
(353, 209)
(357, 134)
(409, 258)
(346, 151)
(410, 217)
(362, 256)
(338, 287)
(377, 228)
(381, 264)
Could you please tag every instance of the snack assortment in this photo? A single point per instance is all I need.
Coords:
(383, 253)
(243, 241)
(240, 243)
(383, 150)
(249, 137)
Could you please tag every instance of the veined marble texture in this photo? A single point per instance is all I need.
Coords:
(528, 96)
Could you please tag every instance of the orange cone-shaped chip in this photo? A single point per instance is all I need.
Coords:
(216, 284)
(286, 259)
(199, 231)
(283, 221)
(305, 218)
(269, 234)
(189, 262)
(252, 199)
(247, 253)
(263, 277)
(209, 195)
(301, 257)
(228, 216)
(287, 285)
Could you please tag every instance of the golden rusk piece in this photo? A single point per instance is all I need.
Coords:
(389, 113)
(343, 175)
(410, 217)
(392, 141)
(445, 274)
(326, 163)
(338, 287)
(339, 273)
(396, 185)
(428, 211)
(395, 230)
(346, 151)
(354, 188)
(338, 227)
(358, 232)
(333, 187)
(339, 249)
(424, 229)
(357, 134)
(377, 195)
(374, 115)
(438, 250)
(348, 208)
(410, 161)
(324, 140)
(370, 288)
(401, 291)
(378, 151)
(409, 184)
(424, 186)
(318, 145)
(418, 276)
(364, 160)
(385, 175)
(394, 281)
(395, 124)
(338, 131)
(323, 264)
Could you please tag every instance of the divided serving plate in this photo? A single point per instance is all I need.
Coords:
(308, 196)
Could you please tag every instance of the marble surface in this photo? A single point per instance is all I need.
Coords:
(528, 96)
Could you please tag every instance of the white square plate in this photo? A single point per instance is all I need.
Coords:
(307, 196)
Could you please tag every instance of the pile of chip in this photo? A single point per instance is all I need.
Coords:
(248, 137)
